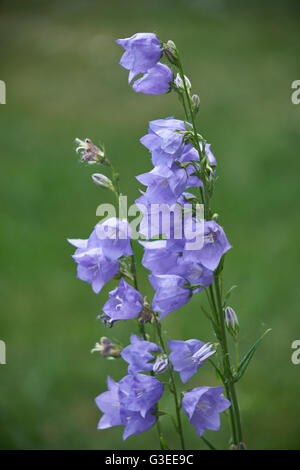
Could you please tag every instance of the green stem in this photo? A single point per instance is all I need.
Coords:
(216, 306)
(176, 401)
(228, 373)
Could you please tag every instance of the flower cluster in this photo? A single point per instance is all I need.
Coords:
(183, 250)
(131, 402)
(142, 54)
(174, 266)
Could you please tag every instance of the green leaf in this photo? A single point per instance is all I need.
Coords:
(159, 413)
(228, 293)
(247, 358)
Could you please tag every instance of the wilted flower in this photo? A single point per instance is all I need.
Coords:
(203, 405)
(107, 348)
(188, 356)
(89, 152)
(125, 303)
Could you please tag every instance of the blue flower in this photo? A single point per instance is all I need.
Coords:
(92, 265)
(155, 82)
(125, 303)
(188, 356)
(214, 247)
(138, 354)
(143, 51)
(114, 405)
(114, 237)
(170, 294)
(203, 406)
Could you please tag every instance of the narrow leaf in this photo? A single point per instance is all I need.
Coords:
(247, 358)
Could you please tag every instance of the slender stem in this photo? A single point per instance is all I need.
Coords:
(228, 372)
(209, 444)
(176, 401)
(216, 306)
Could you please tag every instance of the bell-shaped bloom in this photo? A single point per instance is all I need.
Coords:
(142, 52)
(155, 82)
(116, 413)
(138, 354)
(125, 303)
(170, 294)
(114, 237)
(92, 265)
(164, 141)
(165, 185)
(188, 356)
(214, 246)
(203, 406)
(139, 392)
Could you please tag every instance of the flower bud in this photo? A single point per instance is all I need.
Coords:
(231, 320)
(179, 82)
(170, 52)
(103, 181)
(195, 103)
(161, 364)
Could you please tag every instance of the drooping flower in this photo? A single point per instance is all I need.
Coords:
(140, 392)
(203, 406)
(170, 294)
(138, 354)
(155, 82)
(165, 184)
(214, 246)
(188, 356)
(164, 141)
(142, 52)
(116, 413)
(114, 237)
(92, 265)
(125, 303)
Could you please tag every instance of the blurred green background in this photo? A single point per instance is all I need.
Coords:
(60, 64)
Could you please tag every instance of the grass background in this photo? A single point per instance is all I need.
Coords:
(60, 64)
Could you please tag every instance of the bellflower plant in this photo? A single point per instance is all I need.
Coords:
(184, 253)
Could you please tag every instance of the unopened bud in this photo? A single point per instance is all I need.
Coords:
(103, 181)
(195, 103)
(161, 364)
(170, 52)
(232, 322)
(179, 82)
